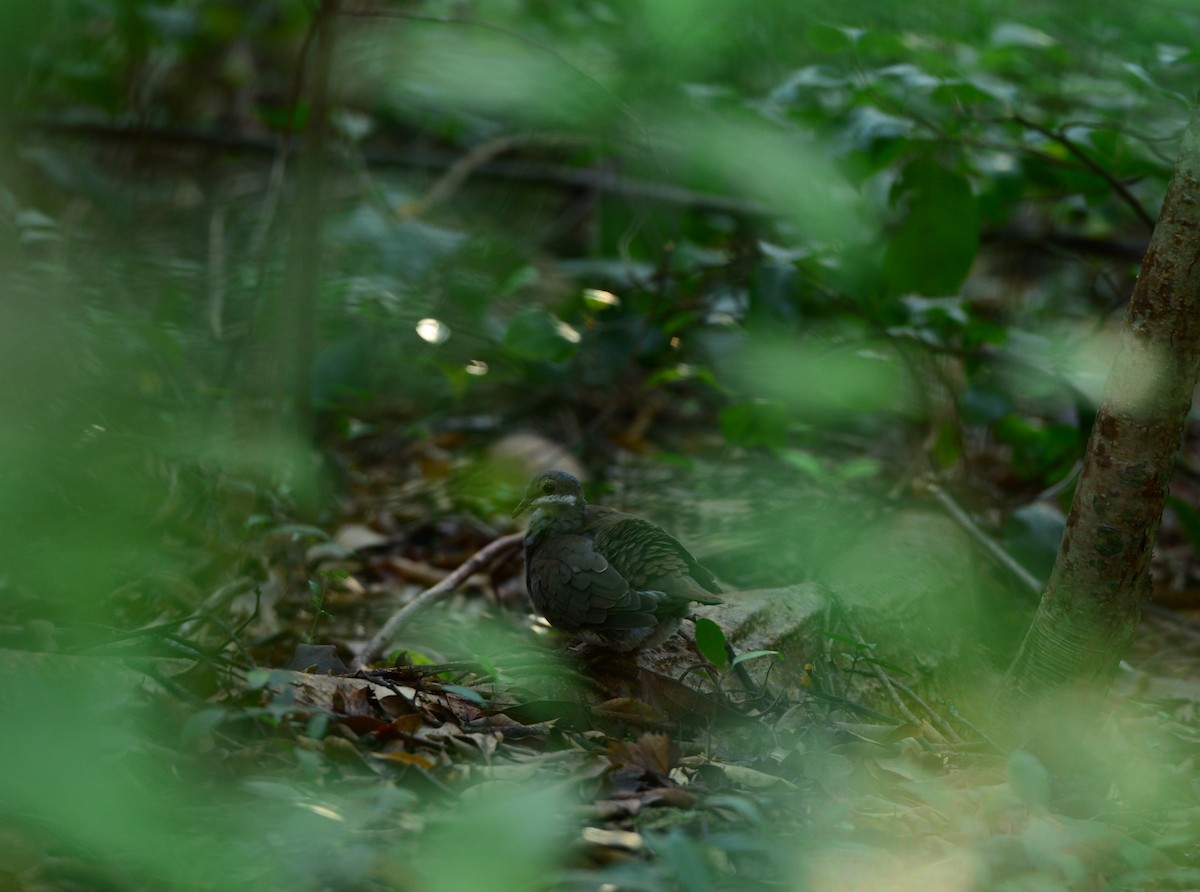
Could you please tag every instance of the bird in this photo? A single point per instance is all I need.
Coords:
(602, 576)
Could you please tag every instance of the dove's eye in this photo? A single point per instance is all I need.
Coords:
(547, 487)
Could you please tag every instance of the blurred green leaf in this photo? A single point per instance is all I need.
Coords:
(516, 836)
(932, 248)
(805, 462)
(785, 170)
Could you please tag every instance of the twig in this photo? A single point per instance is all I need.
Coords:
(935, 718)
(959, 717)
(497, 550)
(992, 547)
(1087, 161)
(989, 544)
(453, 178)
(216, 269)
(884, 679)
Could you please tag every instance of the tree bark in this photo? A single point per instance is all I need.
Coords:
(1100, 582)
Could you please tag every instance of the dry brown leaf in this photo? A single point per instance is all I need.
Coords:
(631, 710)
(753, 778)
(654, 754)
(356, 536)
(400, 757)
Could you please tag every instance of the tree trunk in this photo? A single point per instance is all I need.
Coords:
(296, 331)
(1100, 581)
(279, 368)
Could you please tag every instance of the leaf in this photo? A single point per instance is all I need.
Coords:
(656, 754)
(932, 249)
(400, 757)
(1144, 77)
(752, 777)
(805, 462)
(299, 531)
(710, 641)
(632, 710)
(1015, 34)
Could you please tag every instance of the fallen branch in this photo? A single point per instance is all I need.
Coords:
(497, 550)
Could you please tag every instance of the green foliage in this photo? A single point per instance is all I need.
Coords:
(710, 641)
(932, 248)
(844, 237)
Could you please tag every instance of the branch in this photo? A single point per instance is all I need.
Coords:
(1120, 188)
(990, 545)
(496, 551)
(601, 179)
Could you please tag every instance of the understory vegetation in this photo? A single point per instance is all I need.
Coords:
(297, 296)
